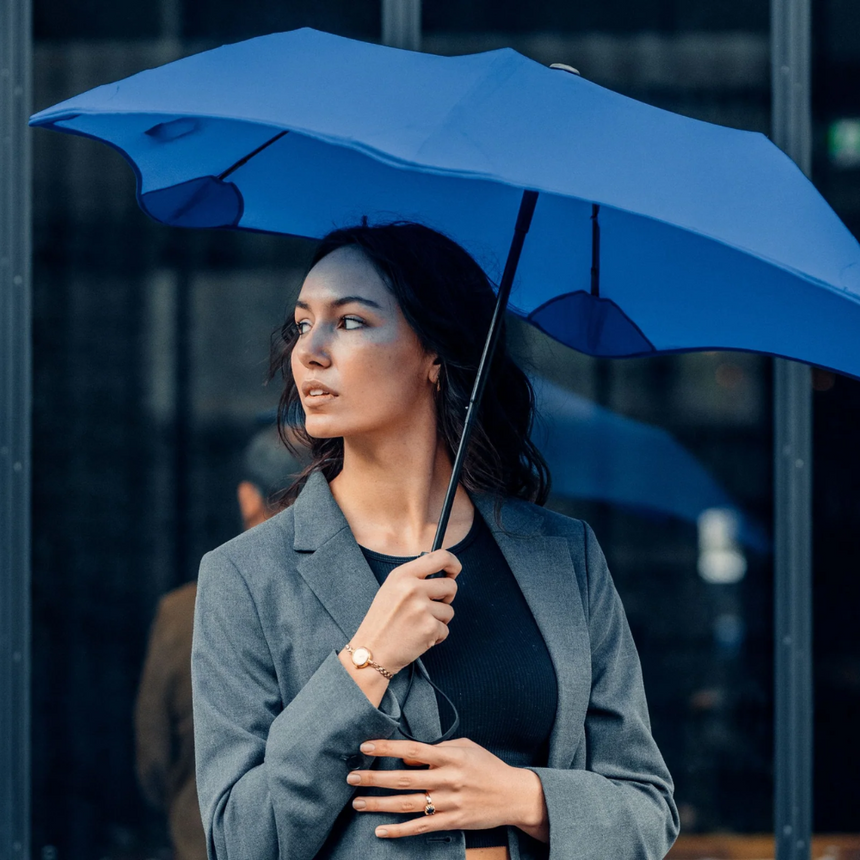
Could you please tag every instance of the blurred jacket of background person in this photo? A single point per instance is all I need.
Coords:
(164, 730)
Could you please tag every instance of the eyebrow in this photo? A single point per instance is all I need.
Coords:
(343, 300)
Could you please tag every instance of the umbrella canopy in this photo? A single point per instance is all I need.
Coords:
(594, 453)
(652, 232)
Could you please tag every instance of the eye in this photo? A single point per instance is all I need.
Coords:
(299, 326)
(352, 323)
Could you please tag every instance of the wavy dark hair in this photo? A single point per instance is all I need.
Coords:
(448, 301)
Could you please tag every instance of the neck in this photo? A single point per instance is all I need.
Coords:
(391, 490)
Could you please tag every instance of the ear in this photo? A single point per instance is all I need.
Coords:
(435, 370)
(251, 504)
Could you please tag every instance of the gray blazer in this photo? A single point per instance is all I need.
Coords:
(278, 719)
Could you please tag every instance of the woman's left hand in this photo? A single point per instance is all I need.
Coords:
(471, 789)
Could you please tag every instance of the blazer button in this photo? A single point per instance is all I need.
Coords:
(353, 761)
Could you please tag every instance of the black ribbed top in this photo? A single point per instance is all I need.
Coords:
(494, 664)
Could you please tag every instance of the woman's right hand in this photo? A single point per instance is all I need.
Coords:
(410, 613)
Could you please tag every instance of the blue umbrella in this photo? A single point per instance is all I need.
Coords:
(652, 232)
(648, 231)
(594, 453)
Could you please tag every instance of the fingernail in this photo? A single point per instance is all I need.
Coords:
(381, 831)
(353, 778)
(358, 804)
(367, 746)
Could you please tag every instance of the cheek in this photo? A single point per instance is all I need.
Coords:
(386, 373)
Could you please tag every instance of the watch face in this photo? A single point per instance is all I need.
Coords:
(360, 657)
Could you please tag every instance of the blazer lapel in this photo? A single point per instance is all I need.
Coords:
(543, 568)
(330, 560)
(335, 569)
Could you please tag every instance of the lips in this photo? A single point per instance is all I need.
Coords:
(312, 389)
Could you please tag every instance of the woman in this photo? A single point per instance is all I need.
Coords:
(306, 626)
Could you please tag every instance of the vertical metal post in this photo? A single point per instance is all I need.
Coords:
(401, 24)
(791, 131)
(15, 386)
(182, 423)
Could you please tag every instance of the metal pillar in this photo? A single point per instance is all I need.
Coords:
(791, 131)
(15, 384)
(401, 24)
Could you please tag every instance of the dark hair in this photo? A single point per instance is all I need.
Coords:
(448, 301)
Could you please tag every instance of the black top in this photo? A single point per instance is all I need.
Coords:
(494, 664)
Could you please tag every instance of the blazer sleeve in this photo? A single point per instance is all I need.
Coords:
(271, 775)
(621, 805)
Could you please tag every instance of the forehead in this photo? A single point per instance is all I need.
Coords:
(345, 272)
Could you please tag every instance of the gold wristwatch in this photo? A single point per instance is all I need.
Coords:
(361, 657)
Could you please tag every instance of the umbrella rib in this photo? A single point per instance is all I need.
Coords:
(245, 159)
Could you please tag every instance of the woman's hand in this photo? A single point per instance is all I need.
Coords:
(410, 613)
(471, 789)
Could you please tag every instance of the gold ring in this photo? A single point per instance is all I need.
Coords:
(429, 809)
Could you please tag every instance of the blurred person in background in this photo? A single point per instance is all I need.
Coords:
(163, 718)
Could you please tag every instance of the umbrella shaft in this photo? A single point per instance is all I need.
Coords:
(595, 250)
(524, 220)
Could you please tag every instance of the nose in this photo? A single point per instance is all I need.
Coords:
(312, 348)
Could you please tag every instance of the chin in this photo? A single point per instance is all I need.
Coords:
(327, 427)
(322, 427)
(320, 433)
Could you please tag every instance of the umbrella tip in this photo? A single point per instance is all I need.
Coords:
(565, 68)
